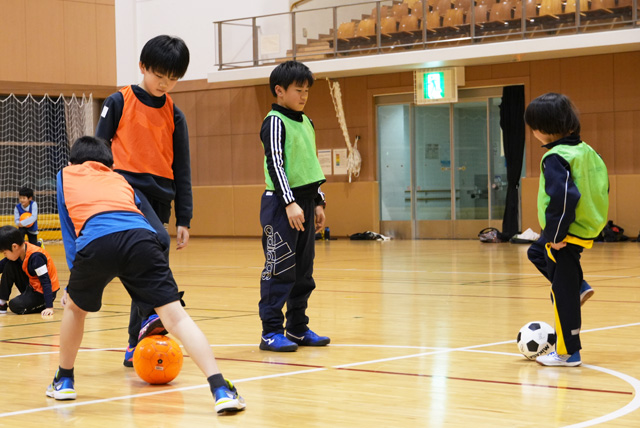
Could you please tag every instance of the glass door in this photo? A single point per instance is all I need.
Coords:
(442, 168)
(470, 166)
(395, 171)
(433, 171)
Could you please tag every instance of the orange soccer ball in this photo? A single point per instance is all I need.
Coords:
(157, 359)
(25, 216)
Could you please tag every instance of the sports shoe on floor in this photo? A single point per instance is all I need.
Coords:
(41, 243)
(554, 359)
(150, 326)
(308, 338)
(586, 292)
(228, 399)
(61, 389)
(276, 342)
(128, 356)
(3, 308)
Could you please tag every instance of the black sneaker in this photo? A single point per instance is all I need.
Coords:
(3, 308)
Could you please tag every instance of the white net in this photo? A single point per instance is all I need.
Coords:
(35, 137)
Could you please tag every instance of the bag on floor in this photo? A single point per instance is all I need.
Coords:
(490, 235)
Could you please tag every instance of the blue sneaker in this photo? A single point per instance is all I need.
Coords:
(585, 292)
(228, 399)
(61, 389)
(277, 342)
(128, 356)
(554, 359)
(151, 326)
(308, 338)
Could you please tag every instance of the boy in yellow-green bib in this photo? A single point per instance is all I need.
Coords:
(291, 212)
(573, 202)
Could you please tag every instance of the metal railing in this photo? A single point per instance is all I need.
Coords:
(319, 33)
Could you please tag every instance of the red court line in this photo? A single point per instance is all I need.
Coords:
(488, 381)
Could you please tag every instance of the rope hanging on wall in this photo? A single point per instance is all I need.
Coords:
(354, 161)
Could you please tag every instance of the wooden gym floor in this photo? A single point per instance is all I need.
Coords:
(423, 335)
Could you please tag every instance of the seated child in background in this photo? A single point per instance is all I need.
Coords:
(26, 215)
(31, 269)
(118, 241)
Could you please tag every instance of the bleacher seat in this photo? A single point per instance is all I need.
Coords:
(481, 14)
(366, 28)
(389, 25)
(347, 30)
(416, 9)
(453, 18)
(410, 3)
(501, 12)
(605, 5)
(443, 6)
(384, 12)
(570, 6)
(399, 10)
(409, 24)
(433, 20)
(462, 4)
(551, 8)
(531, 9)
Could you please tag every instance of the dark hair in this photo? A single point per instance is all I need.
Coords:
(26, 191)
(553, 114)
(166, 55)
(91, 149)
(289, 72)
(9, 235)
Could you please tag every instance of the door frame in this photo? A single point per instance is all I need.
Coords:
(437, 229)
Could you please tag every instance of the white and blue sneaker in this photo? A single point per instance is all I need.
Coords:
(554, 359)
(308, 338)
(276, 342)
(61, 389)
(228, 399)
(586, 292)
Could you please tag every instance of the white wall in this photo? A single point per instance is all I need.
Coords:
(139, 20)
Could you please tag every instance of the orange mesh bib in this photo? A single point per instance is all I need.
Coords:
(143, 142)
(33, 280)
(79, 184)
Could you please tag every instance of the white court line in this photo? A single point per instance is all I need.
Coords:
(633, 405)
(630, 407)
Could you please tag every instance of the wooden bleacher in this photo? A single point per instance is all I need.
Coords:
(403, 23)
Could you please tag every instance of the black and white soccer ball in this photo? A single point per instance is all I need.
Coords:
(536, 338)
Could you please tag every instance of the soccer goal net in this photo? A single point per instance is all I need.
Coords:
(35, 138)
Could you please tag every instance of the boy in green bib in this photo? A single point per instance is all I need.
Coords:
(291, 212)
(573, 202)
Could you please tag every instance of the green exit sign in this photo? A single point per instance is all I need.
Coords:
(433, 85)
(436, 85)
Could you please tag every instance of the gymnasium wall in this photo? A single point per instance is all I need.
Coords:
(57, 47)
(227, 155)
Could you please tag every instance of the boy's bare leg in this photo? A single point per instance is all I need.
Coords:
(177, 322)
(71, 332)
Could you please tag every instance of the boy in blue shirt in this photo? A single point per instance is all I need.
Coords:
(105, 235)
(26, 215)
